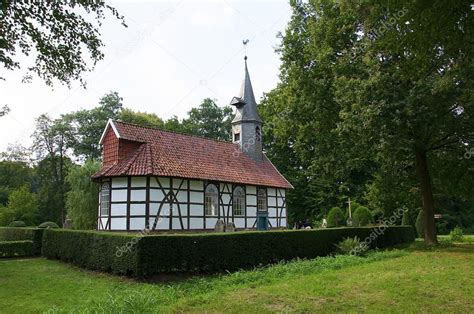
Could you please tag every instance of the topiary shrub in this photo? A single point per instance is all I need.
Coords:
(335, 217)
(362, 217)
(17, 224)
(456, 235)
(48, 224)
(420, 224)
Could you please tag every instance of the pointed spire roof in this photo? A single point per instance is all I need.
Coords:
(245, 103)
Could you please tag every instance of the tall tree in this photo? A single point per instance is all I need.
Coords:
(82, 199)
(86, 126)
(50, 143)
(209, 120)
(56, 33)
(391, 84)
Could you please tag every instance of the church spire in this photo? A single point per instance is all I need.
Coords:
(247, 125)
(245, 103)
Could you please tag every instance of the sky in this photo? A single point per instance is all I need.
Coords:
(171, 56)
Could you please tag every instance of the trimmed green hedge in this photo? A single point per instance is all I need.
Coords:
(17, 248)
(22, 234)
(206, 252)
(92, 249)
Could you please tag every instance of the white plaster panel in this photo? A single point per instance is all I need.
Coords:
(119, 182)
(283, 222)
(251, 200)
(154, 209)
(271, 191)
(165, 182)
(137, 209)
(177, 224)
(153, 182)
(251, 211)
(250, 222)
(211, 223)
(251, 189)
(196, 210)
(282, 191)
(225, 187)
(177, 183)
(283, 212)
(280, 202)
(104, 223)
(196, 185)
(138, 182)
(118, 209)
(225, 198)
(196, 197)
(119, 195)
(239, 223)
(183, 207)
(271, 201)
(272, 211)
(118, 223)
(163, 223)
(196, 223)
(182, 196)
(137, 223)
(138, 195)
(273, 222)
(156, 195)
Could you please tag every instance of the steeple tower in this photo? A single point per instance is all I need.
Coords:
(247, 125)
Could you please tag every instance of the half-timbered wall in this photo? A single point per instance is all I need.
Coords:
(164, 203)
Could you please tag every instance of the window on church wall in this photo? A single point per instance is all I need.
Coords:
(104, 199)
(262, 200)
(211, 200)
(258, 135)
(236, 137)
(238, 201)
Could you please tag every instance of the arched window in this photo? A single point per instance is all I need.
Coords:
(104, 199)
(262, 200)
(238, 201)
(211, 200)
(258, 135)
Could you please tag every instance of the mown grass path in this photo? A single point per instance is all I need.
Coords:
(414, 280)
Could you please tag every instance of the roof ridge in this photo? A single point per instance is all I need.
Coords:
(174, 132)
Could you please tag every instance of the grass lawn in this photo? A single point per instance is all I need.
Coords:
(412, 279)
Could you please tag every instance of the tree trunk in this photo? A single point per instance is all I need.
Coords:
(427, 196)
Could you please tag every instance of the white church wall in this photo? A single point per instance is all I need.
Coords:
(191, 207)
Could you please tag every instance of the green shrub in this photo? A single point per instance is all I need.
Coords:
(406, 219)
(17, 224)
(362, 217)
(335, 217)
(456, 235)
(420, 224)
(48, 224)
(22, 234)
(352, 246)
(203, 252)
(17, 248)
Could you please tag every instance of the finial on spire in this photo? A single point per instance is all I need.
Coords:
(245, 42)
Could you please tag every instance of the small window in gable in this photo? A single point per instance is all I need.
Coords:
(236, 137)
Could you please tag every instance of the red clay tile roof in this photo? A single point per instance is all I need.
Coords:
(165, 153)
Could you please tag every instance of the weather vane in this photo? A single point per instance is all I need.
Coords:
(245, 42)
